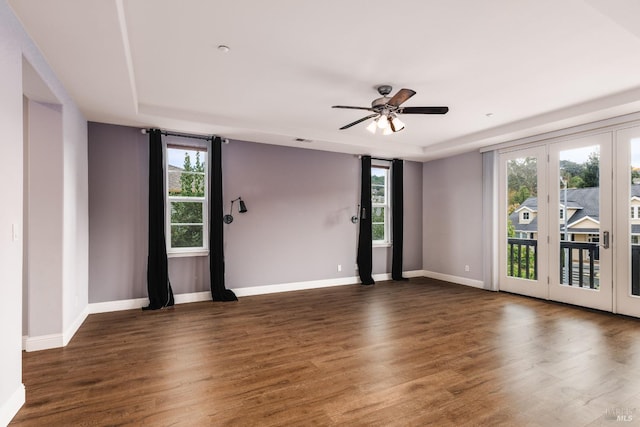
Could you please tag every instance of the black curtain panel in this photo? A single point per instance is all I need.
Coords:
(216, 226)
(158, 286)
(365, 251)
(397, 220)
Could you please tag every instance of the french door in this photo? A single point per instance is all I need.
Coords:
(580, 221)
(557, 229)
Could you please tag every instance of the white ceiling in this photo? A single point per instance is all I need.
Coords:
(535, 65)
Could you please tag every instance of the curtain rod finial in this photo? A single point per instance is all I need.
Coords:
(143, 131)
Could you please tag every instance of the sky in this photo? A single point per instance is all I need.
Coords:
(580, 155)
(176, 157)
(635, 152)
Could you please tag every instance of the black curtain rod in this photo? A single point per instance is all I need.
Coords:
(183, 135)
(378, 158)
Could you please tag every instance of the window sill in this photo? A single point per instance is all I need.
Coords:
(381, 245)
(186, 254)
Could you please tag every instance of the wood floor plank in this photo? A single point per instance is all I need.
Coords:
(422, 352)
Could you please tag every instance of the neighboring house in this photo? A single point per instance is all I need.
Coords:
(581, 215)
(174, 174)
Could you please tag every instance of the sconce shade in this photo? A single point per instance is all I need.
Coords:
(242, 207)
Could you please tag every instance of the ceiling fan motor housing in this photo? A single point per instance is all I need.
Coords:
(380, 103)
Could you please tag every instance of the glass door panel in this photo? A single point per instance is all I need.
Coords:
(523, 220)
(627, 247)
(580, 198)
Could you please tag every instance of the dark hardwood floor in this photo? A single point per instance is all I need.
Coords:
(422, 352)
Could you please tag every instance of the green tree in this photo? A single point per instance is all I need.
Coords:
(591, 174)
(522, 179)
(189, 214)
(521, 195)
(569, 169)
(576, 182)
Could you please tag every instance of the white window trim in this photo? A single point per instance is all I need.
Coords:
(387, 205)
(186, 252)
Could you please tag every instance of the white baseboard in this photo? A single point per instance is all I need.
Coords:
(45, 342)
(314, 284)
(192, 297)
(10, 408)
(125, 304)
(134, 304)
(73, 328)
(454, 279)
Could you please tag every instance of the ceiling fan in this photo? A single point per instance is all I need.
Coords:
(387, 109)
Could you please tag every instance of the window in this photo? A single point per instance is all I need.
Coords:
(634, 212)
(186, 199)
(561, 213)
(525, 216)
(380, 204)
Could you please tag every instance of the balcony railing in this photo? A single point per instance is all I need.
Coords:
(580, 264)
(635, 270)
(582, 257)
(522, 258)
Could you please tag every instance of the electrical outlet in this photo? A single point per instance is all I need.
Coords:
(356, 267)
(466, 268)
(339, 267)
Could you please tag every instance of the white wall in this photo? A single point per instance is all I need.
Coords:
(452, 219)
(44, 194)
(15, 45)
(11, 389)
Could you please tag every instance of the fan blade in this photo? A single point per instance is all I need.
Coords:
(400, 97)
(370, 116)
(353, 108)
(423, 110)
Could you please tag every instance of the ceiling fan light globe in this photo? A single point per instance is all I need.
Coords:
(372, 127)
(397, 124)
(383, 122)
(387, 131)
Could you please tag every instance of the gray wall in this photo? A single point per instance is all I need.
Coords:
(118, 220)
(297, 227)
(452, 206)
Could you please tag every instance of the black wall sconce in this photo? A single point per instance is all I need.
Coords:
(242, 208)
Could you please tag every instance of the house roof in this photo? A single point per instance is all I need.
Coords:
(585, 200)
(174, 178)
(157, 64)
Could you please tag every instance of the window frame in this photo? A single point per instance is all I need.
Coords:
(202, 147)
(387, 241)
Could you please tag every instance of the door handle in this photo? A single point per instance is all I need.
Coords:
(605, 239)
